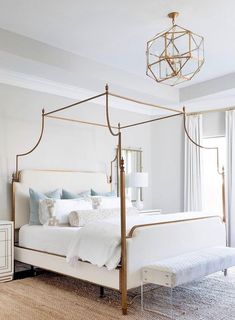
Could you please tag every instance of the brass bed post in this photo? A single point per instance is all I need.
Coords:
(123, 270)
(123, 240)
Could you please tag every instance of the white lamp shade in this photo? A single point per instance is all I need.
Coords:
(137, 180)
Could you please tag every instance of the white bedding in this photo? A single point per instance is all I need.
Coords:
(48, 239)
(99, 243)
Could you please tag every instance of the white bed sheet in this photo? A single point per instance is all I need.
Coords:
(58, 239)
(48, 239)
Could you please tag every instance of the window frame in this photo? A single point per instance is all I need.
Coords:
(140, 167)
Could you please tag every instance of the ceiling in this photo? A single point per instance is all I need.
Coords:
(115, 32)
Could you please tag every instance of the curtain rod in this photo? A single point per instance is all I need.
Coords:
(209, 111)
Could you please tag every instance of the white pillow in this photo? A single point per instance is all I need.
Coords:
(80, 218)
(60, 209)
(113, 203)
(96, 201)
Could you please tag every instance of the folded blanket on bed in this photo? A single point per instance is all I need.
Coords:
(98, 243)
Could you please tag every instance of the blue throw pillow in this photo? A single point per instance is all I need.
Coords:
(34, 199)
(70, 195)
(103, 194)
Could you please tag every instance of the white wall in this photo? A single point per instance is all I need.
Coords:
(213, 124)
(168, 164)
(64, 145)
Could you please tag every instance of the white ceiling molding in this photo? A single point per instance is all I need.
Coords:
(22, 54)
(81, 28)
(43, 85)
(208, 88)
(72, 92)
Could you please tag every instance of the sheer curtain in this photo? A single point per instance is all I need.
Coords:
(230, 175)
(192, 165)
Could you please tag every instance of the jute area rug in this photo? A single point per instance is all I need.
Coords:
(54, 297)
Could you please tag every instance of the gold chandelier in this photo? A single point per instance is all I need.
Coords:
(175, 55)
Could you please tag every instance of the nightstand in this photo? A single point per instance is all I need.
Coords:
(151, 211)
(6, 250)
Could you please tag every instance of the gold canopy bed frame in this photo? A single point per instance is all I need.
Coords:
(116, 131)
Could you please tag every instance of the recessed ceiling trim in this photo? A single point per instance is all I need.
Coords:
(64, 90)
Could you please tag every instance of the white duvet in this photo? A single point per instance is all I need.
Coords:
(100, 242)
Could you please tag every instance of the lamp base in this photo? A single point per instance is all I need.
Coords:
(139, 205)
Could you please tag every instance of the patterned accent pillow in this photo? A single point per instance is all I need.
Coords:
(34, 199)
(59, 210)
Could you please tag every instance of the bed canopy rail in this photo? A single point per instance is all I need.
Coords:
(51, 115)
(115, 131)
(15, 176)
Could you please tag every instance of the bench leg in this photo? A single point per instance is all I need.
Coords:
(171, 302)
(170, 316)
(142, 296)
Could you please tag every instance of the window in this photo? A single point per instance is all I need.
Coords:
(211, 180)
(133, 163)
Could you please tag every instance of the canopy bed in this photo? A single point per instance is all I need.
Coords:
(143, 240)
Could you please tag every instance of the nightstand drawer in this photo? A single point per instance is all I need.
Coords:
(5, 248)
(5, 232)
(6, 264)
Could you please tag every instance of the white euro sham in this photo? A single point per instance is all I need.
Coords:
(60, 209)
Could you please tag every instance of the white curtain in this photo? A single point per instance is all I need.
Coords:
(192, 165)
(230, 175)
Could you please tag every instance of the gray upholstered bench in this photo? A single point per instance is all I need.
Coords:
(175, 271)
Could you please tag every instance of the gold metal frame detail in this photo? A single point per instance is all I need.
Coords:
(175, 55)
(115, 131)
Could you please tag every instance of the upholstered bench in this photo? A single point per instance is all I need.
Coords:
(184, 268)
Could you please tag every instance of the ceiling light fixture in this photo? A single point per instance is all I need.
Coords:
(175, 55)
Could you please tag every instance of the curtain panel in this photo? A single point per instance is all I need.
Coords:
(230, 176)
(193, 165)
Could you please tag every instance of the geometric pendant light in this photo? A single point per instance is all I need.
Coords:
(175, 55)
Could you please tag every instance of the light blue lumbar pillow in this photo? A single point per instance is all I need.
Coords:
(34, 199)
(70, 195)
(103, 194)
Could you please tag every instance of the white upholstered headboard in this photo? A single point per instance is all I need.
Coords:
(49, 180)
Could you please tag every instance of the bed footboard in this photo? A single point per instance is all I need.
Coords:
(151, 243)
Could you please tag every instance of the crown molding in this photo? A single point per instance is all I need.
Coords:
(31, 82)
(40, 84)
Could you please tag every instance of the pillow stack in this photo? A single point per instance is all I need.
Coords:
(53, 208)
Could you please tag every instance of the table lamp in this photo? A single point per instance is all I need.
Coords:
(138, 180)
